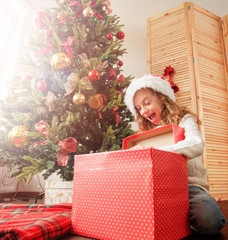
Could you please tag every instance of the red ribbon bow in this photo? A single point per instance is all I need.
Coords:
(67, 46)
(43, 51)
(77, 5)
(169, 71)
(114, 109)
(67, 145)
(105, 101)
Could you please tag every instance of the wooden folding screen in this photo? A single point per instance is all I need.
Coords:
(190, 39)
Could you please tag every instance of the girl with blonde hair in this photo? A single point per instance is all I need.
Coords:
(151, 100)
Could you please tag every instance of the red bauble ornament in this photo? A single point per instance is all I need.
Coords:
(100, 17)
(120, 35)
(109, 36)
(41, 86)
(120, 63)
(111, 74)
(93, 75)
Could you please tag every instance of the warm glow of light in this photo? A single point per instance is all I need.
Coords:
(12, 23)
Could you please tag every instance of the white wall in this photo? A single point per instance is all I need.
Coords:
(133, 14)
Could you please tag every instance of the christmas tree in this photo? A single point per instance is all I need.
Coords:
(68, 99)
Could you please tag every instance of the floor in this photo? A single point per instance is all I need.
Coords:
(23, 200)
(223, 235)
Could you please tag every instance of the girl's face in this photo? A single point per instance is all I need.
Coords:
(148, 105)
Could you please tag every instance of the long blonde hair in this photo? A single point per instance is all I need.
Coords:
(172, 113)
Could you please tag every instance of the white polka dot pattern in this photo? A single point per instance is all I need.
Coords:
(130, 194)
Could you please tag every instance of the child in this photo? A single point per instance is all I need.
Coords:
(152, 101)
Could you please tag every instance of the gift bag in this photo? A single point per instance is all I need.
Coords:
(131, 194)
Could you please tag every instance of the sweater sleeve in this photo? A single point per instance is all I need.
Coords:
(193, 144)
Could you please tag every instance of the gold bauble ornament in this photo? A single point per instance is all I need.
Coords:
(79, 98)
(96, 101)
(60, 61)
(88, 13)
(18, 138)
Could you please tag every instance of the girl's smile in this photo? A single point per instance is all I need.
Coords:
(148, 105)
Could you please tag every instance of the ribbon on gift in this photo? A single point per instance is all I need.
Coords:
(67, 145)
(67, 46)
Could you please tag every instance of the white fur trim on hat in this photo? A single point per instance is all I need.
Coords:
(157, 83)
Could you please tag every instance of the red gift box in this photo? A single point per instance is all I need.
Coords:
(157, 137)
(131, 194)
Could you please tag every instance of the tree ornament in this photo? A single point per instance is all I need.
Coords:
(67, 45)
(79, 98)
(60, 61)
(120, 63)
(17, 136)
(93, 75)
(100, 17)
(41, 18)
(88, 13)
(169, 71)
(41, 86)
(111, 74)
(76, 6)
(121, 78)
(61, 16)
(120, 35)
(109, 36)
(49, 33)
(96, 101)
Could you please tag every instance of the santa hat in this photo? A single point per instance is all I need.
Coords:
(157, 83)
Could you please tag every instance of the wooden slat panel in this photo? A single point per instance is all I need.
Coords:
(203, 84)
(225, 27)
(211, 86)
(168, 43)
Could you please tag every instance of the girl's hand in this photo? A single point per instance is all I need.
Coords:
(138, 146)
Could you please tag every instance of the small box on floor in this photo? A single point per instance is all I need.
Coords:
(131, 194)
(58, 192)
(157, 137)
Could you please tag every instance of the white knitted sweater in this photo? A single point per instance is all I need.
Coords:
(192, 147)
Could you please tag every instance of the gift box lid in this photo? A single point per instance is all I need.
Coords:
(158, 137)
(58, 184)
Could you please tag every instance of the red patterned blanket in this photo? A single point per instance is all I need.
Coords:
(34, 221)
